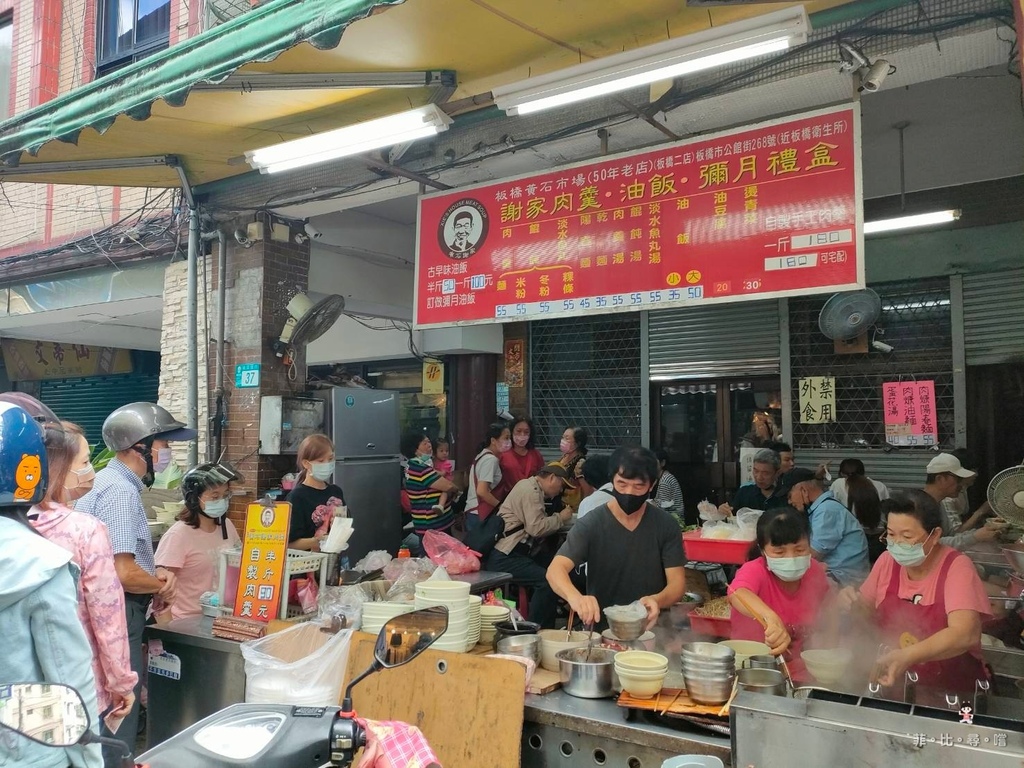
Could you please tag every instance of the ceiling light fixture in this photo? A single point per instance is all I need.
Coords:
(909, 222)
(710, 48)
(351, 140)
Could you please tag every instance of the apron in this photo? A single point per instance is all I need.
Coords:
(904, 623)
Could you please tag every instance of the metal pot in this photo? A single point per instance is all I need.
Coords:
(505, 629)
(593, 679)
(769, 681)
(761, 662)
(527, 646)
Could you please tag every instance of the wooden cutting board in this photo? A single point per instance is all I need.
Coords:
(469, 707)
(543, 681)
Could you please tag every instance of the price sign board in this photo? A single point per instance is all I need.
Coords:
(767, 210)
(262, 568)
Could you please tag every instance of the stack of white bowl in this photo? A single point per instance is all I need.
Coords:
(641, 673)
(490, 616)
(453, 595)
(375, 615)
(475, 622)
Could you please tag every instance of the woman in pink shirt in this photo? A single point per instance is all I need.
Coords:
(784, 586)
(191, 548)
(927, 600)
(100, 597)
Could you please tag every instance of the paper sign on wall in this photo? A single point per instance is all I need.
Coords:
(910, 413)
(261, 572)
(433, 377)
(514, 364)
(817, 400)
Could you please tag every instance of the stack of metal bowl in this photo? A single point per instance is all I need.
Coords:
(709, 670)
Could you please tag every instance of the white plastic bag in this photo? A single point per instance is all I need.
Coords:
(301, 666)
(374, 560)
(718, 529)
(709, 511)
(746, 519)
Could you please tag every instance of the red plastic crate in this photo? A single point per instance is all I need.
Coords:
(729, 551)
(708, 625)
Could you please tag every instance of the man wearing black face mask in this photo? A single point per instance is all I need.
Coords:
(632, 548)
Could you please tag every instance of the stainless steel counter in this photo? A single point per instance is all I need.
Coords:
(212, 676)
(560, 725)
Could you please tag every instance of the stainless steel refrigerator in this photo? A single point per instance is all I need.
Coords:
(365, 430)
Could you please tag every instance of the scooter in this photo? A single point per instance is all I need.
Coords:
(268, 735)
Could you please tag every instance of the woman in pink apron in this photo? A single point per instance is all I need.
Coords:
(928, 602)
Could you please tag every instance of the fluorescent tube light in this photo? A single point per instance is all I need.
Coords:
(909, 222)
(350, 140)
(710, 48)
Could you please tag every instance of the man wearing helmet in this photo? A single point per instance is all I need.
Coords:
(140, 434)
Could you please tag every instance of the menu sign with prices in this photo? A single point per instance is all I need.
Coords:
(262, 568)
(910, 413)
(768, 210)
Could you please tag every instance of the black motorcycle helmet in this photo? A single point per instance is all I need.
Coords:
(201, 478)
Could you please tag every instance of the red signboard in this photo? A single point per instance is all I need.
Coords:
(769, 210)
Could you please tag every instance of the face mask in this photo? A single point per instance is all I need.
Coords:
(322, 470)
(162, 460)
(82, 482)
(505, 445)
(630, 502)
(565, 446)
(216, 508)
(521, 440)
(907, 555)
(789, 568)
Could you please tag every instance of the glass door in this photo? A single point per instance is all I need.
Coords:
(708, 427)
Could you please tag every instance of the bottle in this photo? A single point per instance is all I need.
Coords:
(404, 552)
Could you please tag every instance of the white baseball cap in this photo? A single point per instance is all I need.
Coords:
(947, 462)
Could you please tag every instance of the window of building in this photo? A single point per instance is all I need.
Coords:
(6, 75)
(47, 712)
(130, 30)
(48, 737)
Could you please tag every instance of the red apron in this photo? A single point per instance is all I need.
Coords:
(902, 620)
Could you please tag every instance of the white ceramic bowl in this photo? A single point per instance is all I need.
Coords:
(553, 640)
(640, 687)
(745, 649)
(827, 666)
(446, 590)
(641, 661)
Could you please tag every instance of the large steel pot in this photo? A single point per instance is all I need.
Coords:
(593, 679)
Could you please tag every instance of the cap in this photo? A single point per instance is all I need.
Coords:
(947, 462)
(556, 469)
(794, 477)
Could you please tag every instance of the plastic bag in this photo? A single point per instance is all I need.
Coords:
(450, 553)
(308, 593)
(746, 521)
(418, 568)
(718, 529)
(344, 603)
(300, 666)
(709, 511)
(373, 561)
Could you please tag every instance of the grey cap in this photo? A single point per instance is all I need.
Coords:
(135, 422)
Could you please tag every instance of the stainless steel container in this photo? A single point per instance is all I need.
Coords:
(593, 679)
(527, 646)
(761, 662)
(769, 681)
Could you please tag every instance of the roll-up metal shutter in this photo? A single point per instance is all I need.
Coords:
(88, 401)
(899, 470)
(994, 317)
(714, 341)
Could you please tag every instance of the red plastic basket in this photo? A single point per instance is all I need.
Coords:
(707, 625)
(730, 551)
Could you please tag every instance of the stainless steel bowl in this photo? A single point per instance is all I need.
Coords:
(708, 652)
(629, 630)
(769, 681)
(710, 693)
(527, 646)
(762, 662)
(587, 679)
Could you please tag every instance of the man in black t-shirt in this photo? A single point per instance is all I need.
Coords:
(633, 549)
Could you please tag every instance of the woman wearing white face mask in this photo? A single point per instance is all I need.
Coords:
(100, 597)
(784, 585)
(926, 599)
(314, 489)
(191, 547)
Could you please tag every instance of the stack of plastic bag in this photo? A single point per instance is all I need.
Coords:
(741, 527)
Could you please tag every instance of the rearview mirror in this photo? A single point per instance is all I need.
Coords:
(49, 714)
(405, 637)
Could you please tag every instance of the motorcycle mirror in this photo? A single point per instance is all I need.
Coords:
(405, 637)
(53, 715)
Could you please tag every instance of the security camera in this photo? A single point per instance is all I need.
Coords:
(881, 346)
(874, 76)
(242, 239)
(313, 232)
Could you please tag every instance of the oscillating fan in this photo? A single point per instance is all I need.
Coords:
(1006, 495)
(846, 318)
(308, 321)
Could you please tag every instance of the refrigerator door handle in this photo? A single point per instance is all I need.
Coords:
(371, 446)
